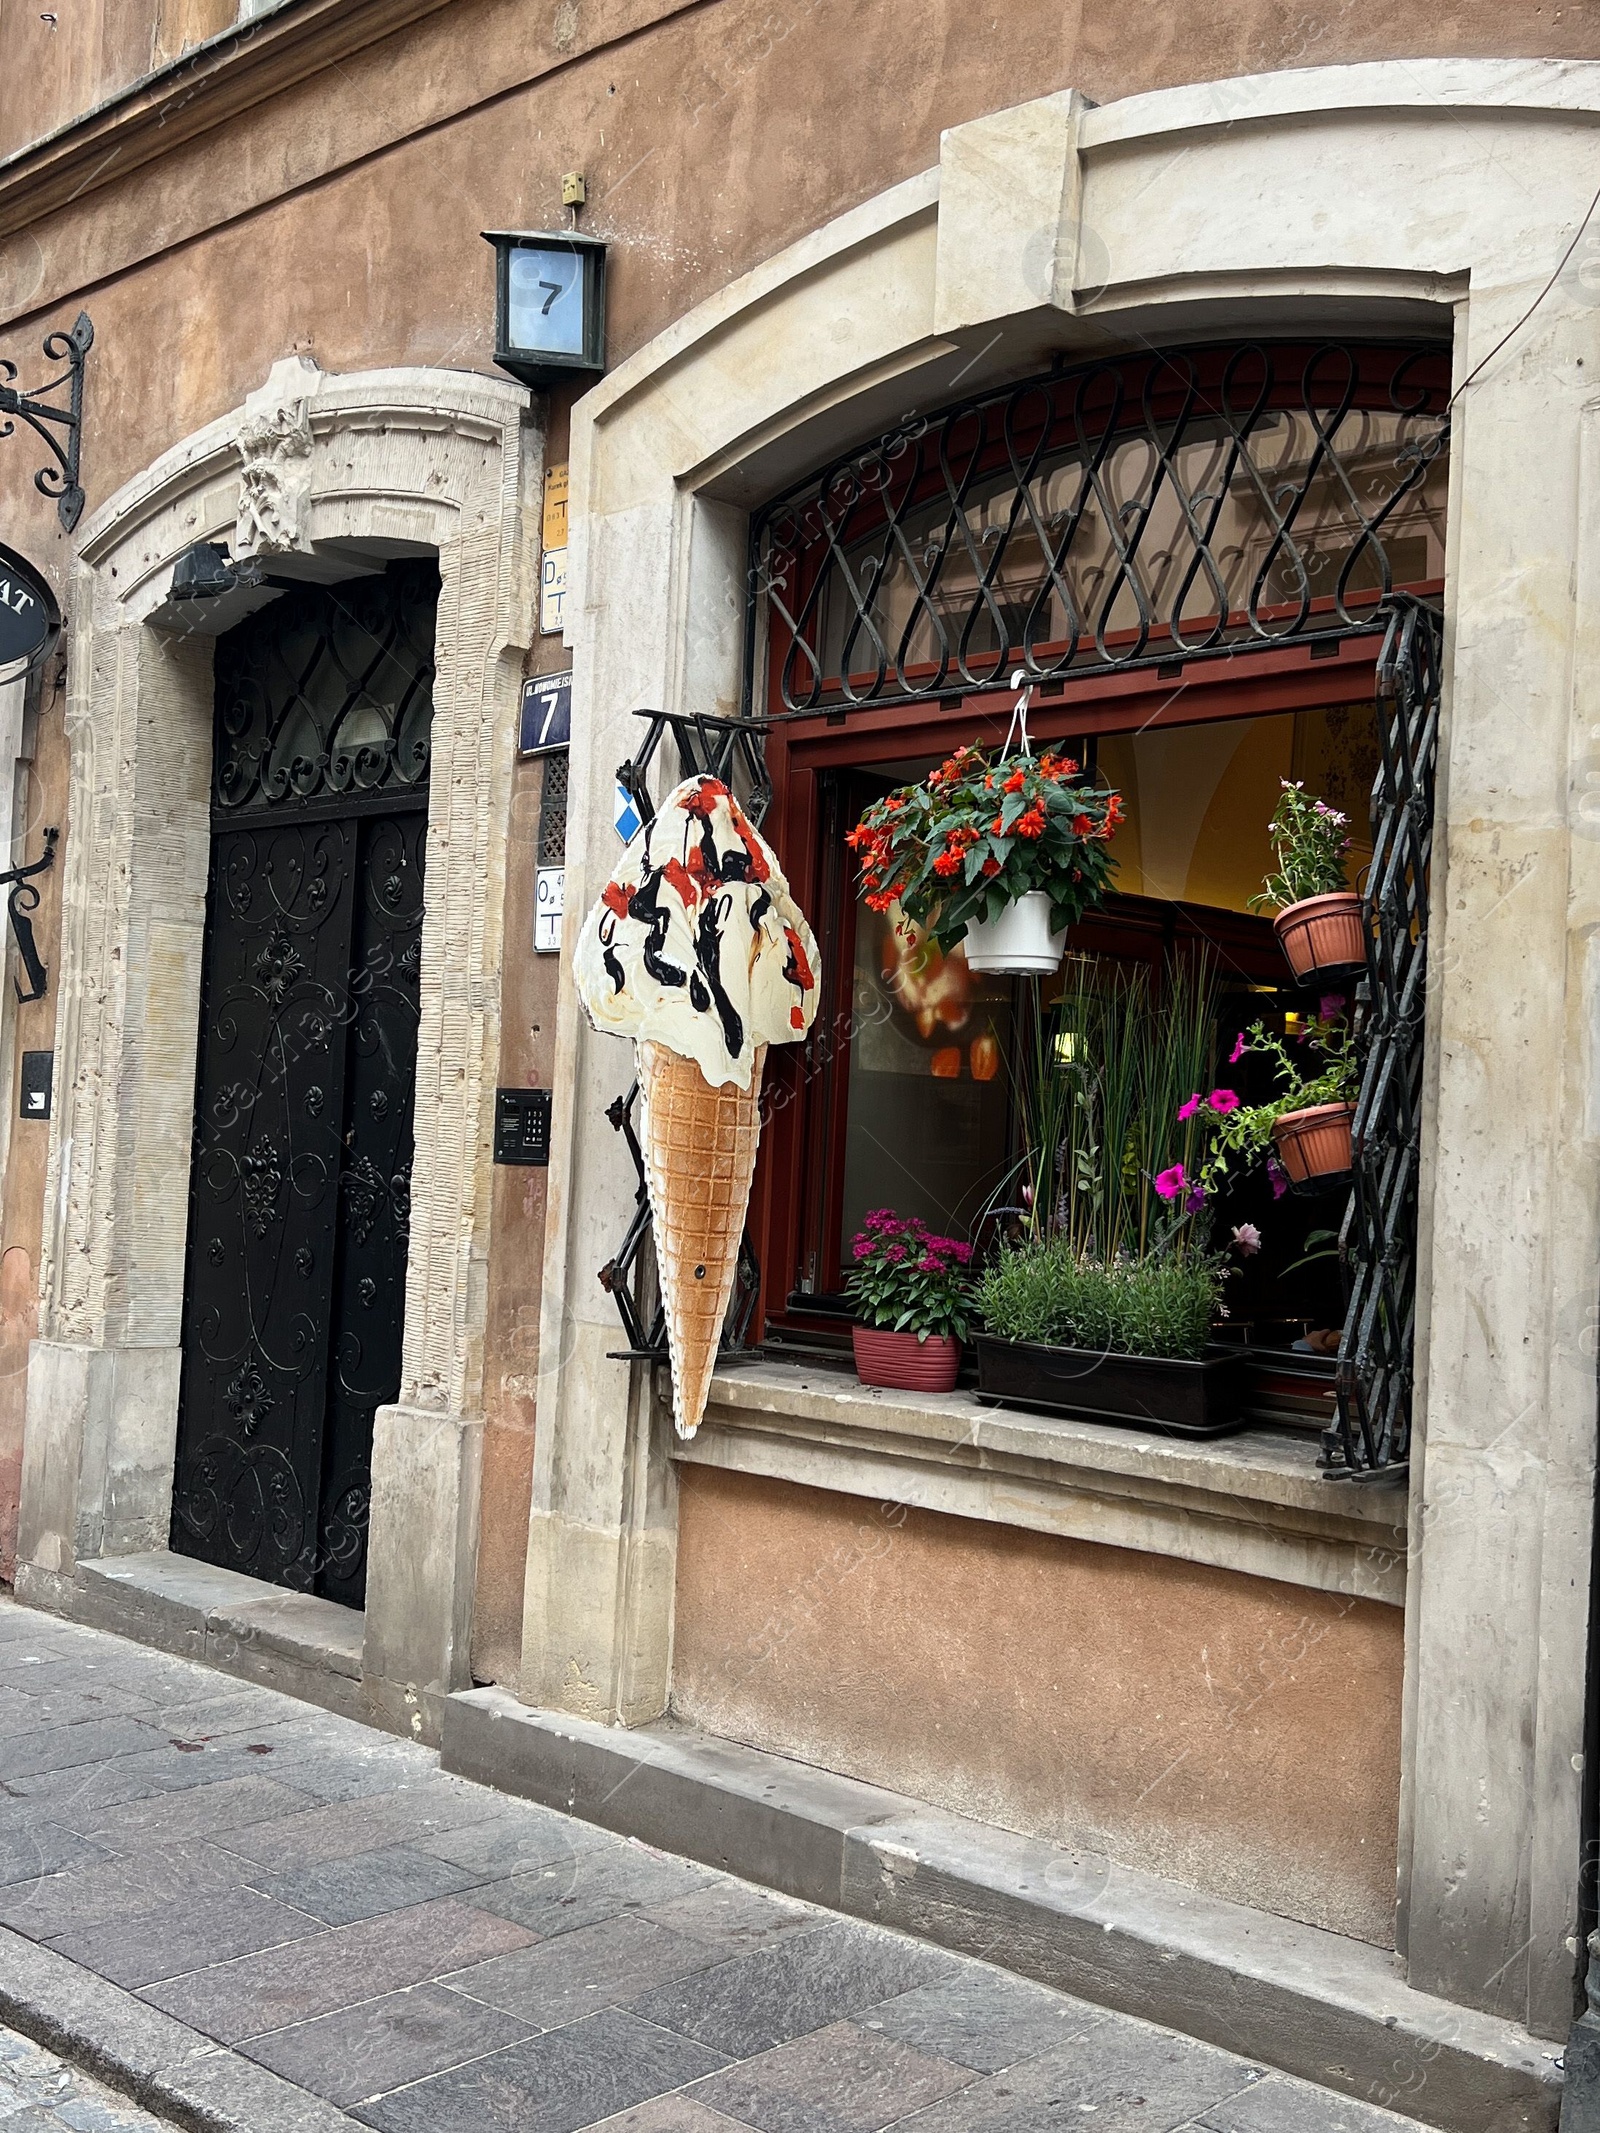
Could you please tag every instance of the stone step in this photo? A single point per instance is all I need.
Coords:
(1310, 2002)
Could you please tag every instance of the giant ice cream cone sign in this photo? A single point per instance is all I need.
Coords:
(697, 951)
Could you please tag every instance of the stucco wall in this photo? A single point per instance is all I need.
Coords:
(1238, 1735)
(27, 1142)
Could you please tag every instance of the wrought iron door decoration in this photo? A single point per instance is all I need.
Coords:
(729, 749)
(300, 1189)
(1139, 510)
(1372, 1435)
(60, 427)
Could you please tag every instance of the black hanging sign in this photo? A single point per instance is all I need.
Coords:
(30, 621)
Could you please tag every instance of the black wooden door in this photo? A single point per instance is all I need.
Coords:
(299, 1196)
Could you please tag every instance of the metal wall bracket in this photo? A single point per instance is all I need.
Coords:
(24, 900)
(729, 749)
(45, 419)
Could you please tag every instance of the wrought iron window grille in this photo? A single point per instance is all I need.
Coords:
(61, 428)
(729, 749)
(333, 702)
(1371, 1436)
(1129, 512)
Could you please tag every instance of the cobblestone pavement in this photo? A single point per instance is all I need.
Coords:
(40, 2093)
(433, 1957)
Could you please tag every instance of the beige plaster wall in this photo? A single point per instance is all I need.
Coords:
(1238, 1735)
(43, 788)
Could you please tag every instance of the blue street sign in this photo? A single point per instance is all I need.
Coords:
(628, 819)
(546, 714)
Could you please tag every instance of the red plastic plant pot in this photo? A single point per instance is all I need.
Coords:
(903, 1363)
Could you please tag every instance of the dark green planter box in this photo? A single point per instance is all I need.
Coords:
(1173, 1398)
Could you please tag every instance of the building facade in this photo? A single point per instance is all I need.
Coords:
(1360, 1706)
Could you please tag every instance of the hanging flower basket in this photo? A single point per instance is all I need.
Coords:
(1323, 937)
(1314, 1146)
(1021, 941)
(1319, 921)
(981, 835)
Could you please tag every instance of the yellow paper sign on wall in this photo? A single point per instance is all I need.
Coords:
(555, 507)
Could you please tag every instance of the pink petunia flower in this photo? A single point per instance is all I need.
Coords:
(1194, 1104)
(1223, 1101)
(1278, 1176)
(1247, 1240)
(1196, 1199)
(1172, 1182)
(1241, 1045)
(1329, 1005)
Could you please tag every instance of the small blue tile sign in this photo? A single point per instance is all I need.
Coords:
(546, 714)
(628, 819)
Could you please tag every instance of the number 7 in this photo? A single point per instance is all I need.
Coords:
(555, 290)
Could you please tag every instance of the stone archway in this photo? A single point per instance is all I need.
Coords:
(321, 474)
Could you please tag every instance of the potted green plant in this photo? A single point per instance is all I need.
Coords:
(909, 1288)
(1304, 1133)
(1103, 1307)
(1002, 852)
(1125, 1340)
(1319, 921)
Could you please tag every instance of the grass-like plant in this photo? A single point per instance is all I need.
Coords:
(1162, 1305)
(1103, 1073)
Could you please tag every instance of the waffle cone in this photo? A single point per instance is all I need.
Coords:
(699, 1158)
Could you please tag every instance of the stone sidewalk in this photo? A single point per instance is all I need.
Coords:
(249, 1914)
(40, 2093)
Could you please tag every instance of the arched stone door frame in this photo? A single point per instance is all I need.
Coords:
(315, 468)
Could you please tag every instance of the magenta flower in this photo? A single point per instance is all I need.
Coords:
(1247, 1240)
(963, 1254)
(1278, 1176)
(894, 1253)
(1196, 1199)
(931, 1263)
(861, 1247)
(1172, 1182)
(1194, 1104)
(1223, 1101)
(1329, 1005)
(1240, 1047)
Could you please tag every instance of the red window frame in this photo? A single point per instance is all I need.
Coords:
(807, 1085)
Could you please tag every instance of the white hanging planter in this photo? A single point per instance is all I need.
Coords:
(1019, 943)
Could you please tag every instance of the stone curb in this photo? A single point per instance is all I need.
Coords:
(1309, 2002)
(162, 2064)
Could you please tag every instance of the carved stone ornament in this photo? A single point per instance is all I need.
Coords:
(275, 453)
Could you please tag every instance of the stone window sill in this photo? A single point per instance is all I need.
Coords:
(1253, 1503)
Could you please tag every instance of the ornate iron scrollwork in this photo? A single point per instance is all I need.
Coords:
(729, 749)
(20, 905)
(35, 408)
(1171, 505)
(1372, 1435)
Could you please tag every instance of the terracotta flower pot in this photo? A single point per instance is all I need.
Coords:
(1314, 1144)
(1323, 934)
(901, 1361)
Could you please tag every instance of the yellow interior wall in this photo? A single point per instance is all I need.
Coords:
(1199, 798)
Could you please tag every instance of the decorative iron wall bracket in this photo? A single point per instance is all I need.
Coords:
(22, 902)
(60, 427)
(729, 749)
